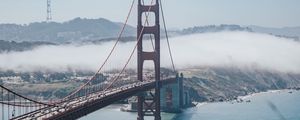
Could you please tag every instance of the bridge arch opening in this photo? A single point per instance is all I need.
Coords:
(148, 43)
(148, 72)
(148, 2)
(149, 18)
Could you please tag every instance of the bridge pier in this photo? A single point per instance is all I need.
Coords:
(174, 97)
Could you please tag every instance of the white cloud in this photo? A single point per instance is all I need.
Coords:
(238, 49)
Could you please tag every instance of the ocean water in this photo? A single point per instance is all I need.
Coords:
(279, 105)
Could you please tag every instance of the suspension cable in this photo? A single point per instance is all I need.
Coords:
(110, 53)
(10, 91)
(147, 21)
(106, 60)
(130, 57)
(2, 99)
(167, 37)
(98, 71)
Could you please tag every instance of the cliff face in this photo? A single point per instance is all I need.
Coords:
(209, 84)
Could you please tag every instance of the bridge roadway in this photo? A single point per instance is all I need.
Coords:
(81, 106)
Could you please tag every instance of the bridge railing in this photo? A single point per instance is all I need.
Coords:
(16, 106)
(13, 104)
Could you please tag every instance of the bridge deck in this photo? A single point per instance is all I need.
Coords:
(82, 106)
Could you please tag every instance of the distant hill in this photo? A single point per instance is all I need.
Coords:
(77, 29)
(214, 28)
(208, 29)
(289, 32)
(286, 32)
(101, 30)
(225, 83)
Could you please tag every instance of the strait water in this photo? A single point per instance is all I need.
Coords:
(280, 105)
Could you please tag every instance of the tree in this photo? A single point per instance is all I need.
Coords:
(39, 76)
(57, 76)
(9, 73)
(99, 78)
(61, 93)
(25, 77)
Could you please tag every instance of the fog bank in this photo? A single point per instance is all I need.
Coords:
(232, 49)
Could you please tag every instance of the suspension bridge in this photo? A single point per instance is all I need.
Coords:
(89, 98)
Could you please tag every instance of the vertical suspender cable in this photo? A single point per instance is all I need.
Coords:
(147, 21)
(110, 53)
(131, 54)
(20, 108)
(8, 107)
(14, 107)
(2, 98)
(167, 37)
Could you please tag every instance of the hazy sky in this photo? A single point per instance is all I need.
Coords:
(179, 13)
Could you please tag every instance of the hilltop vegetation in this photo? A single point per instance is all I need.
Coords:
(101, 30)
(71, 31)
(214, 28)
(8, 46)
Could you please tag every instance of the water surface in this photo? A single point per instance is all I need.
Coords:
(264, 106)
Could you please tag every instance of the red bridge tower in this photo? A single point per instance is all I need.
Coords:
(146, 108)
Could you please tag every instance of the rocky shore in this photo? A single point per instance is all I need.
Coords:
(209, 84)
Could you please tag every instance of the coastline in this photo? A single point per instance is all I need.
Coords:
(246, 98)
(259, 93)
